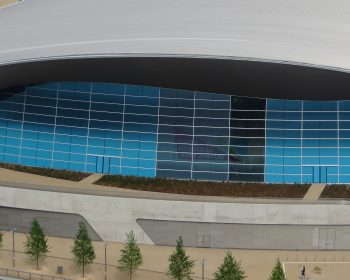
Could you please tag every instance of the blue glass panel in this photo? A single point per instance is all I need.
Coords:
(129, 171)
(292, 179)
(311, 160)
(312, 106)
(333, 179)
(274, 178)
(274, 104)
(146, 172)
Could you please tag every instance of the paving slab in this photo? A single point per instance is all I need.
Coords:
(4, 3)
(91, 179)
(314, 192)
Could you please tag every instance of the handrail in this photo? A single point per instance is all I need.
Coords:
(9, 272)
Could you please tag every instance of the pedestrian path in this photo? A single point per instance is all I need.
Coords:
(4, 3)
(15, 179)
(91, 179)
(314, 192)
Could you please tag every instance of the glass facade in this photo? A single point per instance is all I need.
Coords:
(159, 132)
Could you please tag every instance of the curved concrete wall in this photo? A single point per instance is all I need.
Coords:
(112, 217)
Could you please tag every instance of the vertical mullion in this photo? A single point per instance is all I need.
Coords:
(265, 141)
(338, 142)
(193, 131)
(301, 142)
(88, 130)
(157, 133)
(229, 141)
(54, 128)
(122, 140)
(22, 127)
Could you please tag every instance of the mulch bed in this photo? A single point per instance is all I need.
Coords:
(48, 172)
(205, 188)
(336, 191)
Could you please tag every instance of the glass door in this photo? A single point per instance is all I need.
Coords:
(103, 164)
(323, 174)
(316, 176)
(320, 174)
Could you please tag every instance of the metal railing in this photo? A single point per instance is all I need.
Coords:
(29, 275)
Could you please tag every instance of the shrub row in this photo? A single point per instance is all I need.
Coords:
(48, 172)
(228, 189)
(336, 191)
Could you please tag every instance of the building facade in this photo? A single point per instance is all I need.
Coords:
(160, 132)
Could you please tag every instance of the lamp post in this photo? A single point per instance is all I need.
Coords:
(13, 248)
(105, 260)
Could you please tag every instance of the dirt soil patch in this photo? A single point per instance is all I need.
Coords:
(336, 191)
(205, 188)
(48, 172)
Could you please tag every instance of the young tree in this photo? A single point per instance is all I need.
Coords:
(83, 250)
(180, 265)
(36, 243)
(131, 257)
(230, 269)
(277, 272)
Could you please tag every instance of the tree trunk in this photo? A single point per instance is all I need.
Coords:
(37, 262)
(130, 275)
(83, 269)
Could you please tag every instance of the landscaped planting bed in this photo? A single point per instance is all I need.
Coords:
(205, 188)
(336, 191)
(48, 172)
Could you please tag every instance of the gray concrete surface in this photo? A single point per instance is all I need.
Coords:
(248, 236)
(312, 31)
(112, 217)
(53, 223)
(112, 212)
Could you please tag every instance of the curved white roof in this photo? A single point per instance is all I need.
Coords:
(299, 31)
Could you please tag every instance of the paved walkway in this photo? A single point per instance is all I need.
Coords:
(314, 192)
(257, 263)
(91, 179)
(4, 3)
(21, 180)
(17, 179)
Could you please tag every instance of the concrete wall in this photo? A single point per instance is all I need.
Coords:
(112, 217)
(53, 223)
(248, 236)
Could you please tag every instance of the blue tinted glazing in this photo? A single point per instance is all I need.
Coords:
(149, 131)
(308, 145)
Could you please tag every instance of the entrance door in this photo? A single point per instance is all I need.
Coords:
(320, 174)
(316, 177)
(103, 165)
(323, 174)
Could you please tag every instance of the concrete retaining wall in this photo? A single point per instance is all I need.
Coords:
(53, 223)
(248, 236)
(112, 217)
